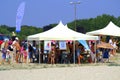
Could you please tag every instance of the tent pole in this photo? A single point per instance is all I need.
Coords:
(95, 51)
(27, 51)
(74, 51)
(39, 51)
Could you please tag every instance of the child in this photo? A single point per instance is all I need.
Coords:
(25, 55)
(21, 54)
(8, 56)
(3, 55)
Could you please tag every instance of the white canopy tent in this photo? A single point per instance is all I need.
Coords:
(111, 29)
(61, 32)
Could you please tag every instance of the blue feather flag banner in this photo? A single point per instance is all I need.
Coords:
(84, 43)
(19, 16)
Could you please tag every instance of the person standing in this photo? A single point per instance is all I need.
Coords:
(93, 51)
(111, 43)
(16, 46)
(8, 57)
(24, 55)
(3, 55)
(114, 46)
(30, 52)
(4, 50)
(77, 47)
(52, 53)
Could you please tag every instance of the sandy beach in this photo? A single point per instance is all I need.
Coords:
(64, 73)
(95, 71)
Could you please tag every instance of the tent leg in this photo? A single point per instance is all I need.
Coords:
(74, 52)
(39, 52)
(27, 52)
(95, 52)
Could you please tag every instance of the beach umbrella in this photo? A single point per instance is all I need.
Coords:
(104, 45)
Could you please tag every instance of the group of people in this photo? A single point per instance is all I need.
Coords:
(21, 51)
(52, 56)
(13, 50)
(57, 55)
(107, 49)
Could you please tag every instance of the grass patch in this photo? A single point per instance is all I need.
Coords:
(41, 66)
(113, 64)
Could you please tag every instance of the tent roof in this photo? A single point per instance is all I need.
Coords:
(61, 32)
(111, 29)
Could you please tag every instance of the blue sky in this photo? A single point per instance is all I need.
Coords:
(44, 12)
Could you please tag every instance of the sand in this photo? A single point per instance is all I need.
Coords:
(100, 71)
(64, 73)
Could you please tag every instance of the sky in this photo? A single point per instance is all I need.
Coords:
(40, 13)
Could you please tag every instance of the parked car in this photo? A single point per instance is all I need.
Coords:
(3, 38)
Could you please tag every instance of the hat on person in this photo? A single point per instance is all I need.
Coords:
(13, 34)
(16, 38)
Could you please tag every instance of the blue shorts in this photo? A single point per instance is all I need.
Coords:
(3, 56)
(78, 52)
(30, 55)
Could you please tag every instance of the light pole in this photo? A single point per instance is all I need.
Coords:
(74, 3)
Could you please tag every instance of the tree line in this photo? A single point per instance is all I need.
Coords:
(82, 25)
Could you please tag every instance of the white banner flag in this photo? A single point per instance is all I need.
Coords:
(47, 45)
(62, 45)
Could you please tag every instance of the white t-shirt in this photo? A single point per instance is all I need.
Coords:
(114, 45)
(111, 42)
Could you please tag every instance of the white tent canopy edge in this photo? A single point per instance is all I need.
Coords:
(61, 32)
(111, 30)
